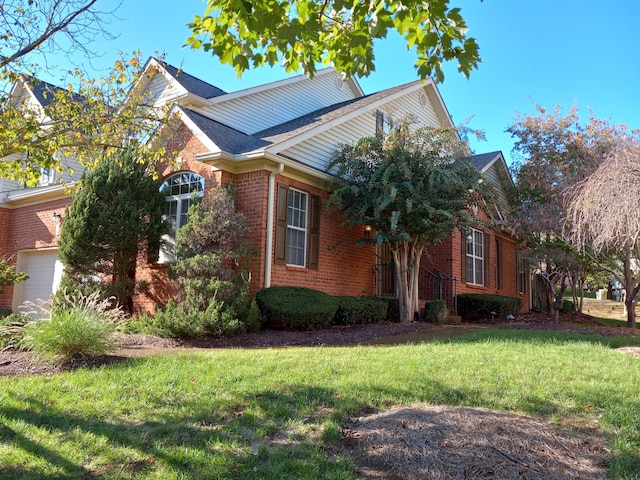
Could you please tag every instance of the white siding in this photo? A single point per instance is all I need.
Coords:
(317, 151)
(255, 112)
(162, 89)
(495, 175)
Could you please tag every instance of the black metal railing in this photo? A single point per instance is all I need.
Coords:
(436, 285)
(432, 285)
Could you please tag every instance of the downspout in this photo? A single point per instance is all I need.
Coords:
(270, 204)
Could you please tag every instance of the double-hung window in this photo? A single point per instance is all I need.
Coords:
(297, 228)
(475, 257)
(180, 190)
(297, 208)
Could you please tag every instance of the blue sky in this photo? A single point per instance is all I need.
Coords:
(548, 52)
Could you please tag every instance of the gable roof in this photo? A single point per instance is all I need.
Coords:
(224, 137)
(192, 84)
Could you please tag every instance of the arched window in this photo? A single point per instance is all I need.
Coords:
(180, 189)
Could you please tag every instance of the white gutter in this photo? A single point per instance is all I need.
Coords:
(270, 204)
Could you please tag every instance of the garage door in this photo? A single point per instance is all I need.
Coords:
(45, 272)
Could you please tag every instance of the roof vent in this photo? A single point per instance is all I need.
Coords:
(339, 83)
(423, 100)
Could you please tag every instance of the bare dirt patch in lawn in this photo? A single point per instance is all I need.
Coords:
(421, 441)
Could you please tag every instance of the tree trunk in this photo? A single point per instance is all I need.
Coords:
(630, 306)
(406, 257)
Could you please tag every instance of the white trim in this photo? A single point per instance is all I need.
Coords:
(270, 214)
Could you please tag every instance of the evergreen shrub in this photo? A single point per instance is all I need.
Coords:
(435, 311)
(478, 306)
(296, 308)
(360, 310)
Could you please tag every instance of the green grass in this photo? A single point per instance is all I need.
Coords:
(277, 413)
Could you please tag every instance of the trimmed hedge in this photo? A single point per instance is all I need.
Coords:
(359, 310)
(296, 308)
(478, 306)
(435, 311)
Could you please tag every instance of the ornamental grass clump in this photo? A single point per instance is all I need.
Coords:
(80, 326)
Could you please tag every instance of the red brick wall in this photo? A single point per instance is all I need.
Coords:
(448, 258)
(26, 228)
(344, 267)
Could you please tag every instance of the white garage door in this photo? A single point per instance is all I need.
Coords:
(45, 272)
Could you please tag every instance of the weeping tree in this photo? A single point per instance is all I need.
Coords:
(554, 151)
(412, 190)
(604, 220)
(116, 216)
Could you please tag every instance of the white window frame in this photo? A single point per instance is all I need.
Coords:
(182, 199)
(295, 225)
(475, 244)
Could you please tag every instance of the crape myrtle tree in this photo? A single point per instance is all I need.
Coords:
(604, 219)
(301, 34)
(117, 215)
(412, 189)
(553, 152)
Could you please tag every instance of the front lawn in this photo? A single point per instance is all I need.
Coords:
(278, 413)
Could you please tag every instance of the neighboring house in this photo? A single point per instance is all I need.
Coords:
(272, 144)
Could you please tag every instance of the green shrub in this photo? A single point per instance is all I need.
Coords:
(296, 308)
(568, 306)
(79, 326)
(251, 317)
(359, 310)
(435, 311)
(181, 320)
(393, 309)
(478, 306)
(5, 312)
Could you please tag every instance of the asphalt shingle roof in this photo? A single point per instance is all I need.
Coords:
(192, 84)
(482, 160)
(226, 138)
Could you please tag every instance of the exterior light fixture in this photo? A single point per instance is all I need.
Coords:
(367, 230)
(56, 218)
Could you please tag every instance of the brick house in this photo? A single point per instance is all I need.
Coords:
(271, 143)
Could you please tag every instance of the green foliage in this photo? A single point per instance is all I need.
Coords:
(435, 311)
(251, 317)
(475, 306)
(8, 274)
(187, 320)
(568, 306)
(116, 215)
(301, 34)
(360, 310)
(213, 251)
(5, 312)
(393, 309)
(413, 188)
(84, 326)
(296, 308)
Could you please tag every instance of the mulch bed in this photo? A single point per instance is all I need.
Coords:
(19, 364)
